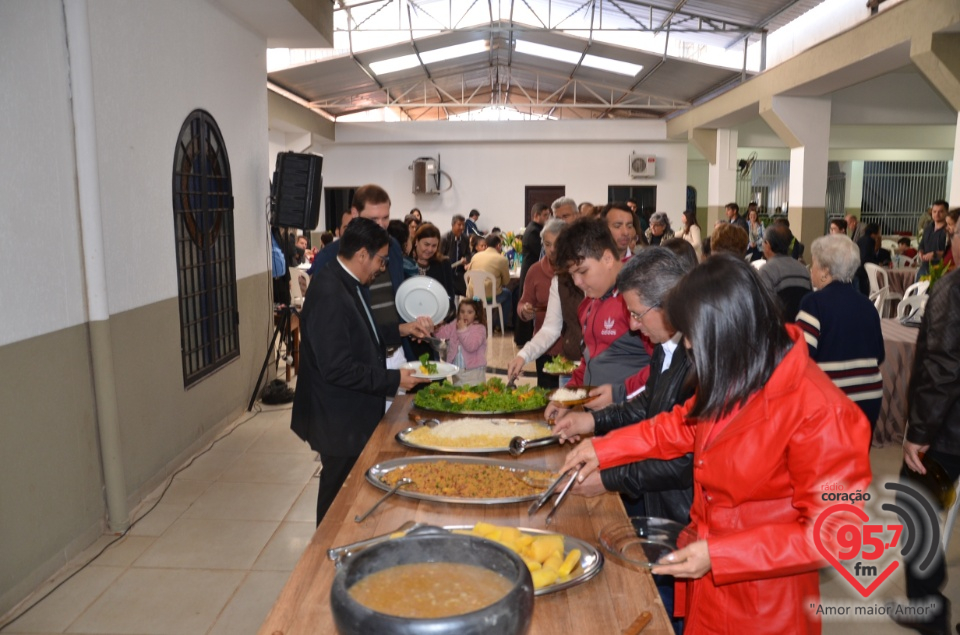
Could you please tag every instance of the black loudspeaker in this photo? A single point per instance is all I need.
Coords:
(296, 191)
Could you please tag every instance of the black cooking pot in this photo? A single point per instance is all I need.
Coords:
(509, 616)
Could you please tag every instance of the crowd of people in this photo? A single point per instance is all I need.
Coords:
(727, 385)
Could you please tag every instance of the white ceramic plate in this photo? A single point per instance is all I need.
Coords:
(444, 370)
(422, 295)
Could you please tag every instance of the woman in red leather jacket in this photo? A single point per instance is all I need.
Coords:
(770, 433)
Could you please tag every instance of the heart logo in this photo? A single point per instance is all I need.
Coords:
(862, 515)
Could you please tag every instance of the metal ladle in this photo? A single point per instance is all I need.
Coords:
(519, 445)
(393, 490)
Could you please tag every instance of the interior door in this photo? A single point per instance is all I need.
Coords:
(546, 194)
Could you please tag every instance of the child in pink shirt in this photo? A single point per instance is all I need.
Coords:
(468, 341)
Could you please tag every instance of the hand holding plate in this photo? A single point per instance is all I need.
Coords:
(693, 561)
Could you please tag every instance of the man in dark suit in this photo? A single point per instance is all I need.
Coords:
(344, 382)
(372, 202)
(455, 245)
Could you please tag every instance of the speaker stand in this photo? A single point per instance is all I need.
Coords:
(282, 327)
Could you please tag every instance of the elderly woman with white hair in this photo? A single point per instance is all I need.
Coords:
(841, 326)
(659, 229)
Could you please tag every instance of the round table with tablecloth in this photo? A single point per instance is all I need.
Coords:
(899, 348)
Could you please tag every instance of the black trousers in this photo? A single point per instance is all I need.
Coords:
(545, 380)
(929, 585)
(333, 473)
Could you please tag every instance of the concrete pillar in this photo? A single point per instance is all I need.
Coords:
(803, 124)
(854, 190)
(937, 57)
(719, 147)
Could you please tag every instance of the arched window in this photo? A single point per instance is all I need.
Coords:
(206, 265)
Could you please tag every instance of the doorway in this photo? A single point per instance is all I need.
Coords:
(644, 195)
(545, 194)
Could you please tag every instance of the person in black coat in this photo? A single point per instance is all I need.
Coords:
(934, 428)
(869, 246)
(344, 382)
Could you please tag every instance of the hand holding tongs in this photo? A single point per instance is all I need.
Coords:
(540, 502)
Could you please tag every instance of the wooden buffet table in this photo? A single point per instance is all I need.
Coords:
(607, 604)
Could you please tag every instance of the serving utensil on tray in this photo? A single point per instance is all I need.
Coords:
(540, 502)
(393, 490)
(339, 553)
(519, 445)
(564, 492)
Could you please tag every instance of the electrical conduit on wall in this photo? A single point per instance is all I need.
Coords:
(79, 59)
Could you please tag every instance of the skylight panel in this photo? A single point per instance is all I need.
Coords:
(547, 52)
(612, 65)
(402, 63)
(573, 57)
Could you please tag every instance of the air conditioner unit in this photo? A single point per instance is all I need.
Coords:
(642, 166)
(426, 173)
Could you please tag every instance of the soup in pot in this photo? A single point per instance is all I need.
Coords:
(430, 589)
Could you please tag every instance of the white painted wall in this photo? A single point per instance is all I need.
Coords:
(42, 287)
(490, 163)
(154, 63)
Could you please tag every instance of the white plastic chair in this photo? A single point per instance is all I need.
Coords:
(914, 300)
(880, 292)
(478, 283)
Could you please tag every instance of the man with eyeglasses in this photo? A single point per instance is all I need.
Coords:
(344, 381)
(372, 202)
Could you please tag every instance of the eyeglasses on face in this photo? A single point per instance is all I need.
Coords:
(384, 260)
(639, 316)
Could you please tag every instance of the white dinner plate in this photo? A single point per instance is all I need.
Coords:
(422, 295)
(444, 370)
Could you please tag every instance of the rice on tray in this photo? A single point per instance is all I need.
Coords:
(475, 433)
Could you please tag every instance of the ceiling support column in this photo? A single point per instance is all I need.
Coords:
(938, 58)
(803, 124)
(720, 149)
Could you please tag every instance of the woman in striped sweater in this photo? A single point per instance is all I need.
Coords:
(841, 326)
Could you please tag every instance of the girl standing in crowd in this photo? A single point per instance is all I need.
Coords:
(467, 345)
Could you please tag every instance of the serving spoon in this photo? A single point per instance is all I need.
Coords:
(519, 445)
(393, 490)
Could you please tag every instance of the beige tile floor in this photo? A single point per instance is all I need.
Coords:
(213, 555)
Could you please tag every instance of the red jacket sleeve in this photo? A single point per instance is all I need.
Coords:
(666, 436)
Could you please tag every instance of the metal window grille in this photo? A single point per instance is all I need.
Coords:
(897, 193)
(206, 265)
(767, 184)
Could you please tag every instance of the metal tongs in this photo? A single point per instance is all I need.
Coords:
(540, 502)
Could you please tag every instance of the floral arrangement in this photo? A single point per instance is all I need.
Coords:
(513, 240)
(937, 271)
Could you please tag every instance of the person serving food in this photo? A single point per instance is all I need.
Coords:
(768, 430)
